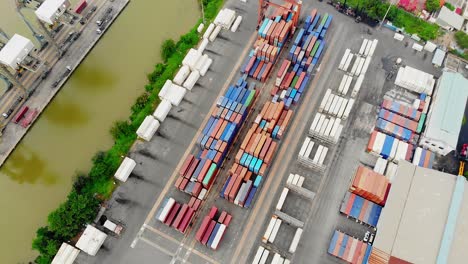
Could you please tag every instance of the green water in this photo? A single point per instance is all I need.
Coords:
(38, 175)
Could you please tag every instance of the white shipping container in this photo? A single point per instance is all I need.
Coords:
(309, 149)
(348, 62)
(200, 27)
(393, 149)
(343, 59)
(338, 106)
(416, 103)
(218, 236)
(342, 108)
(202, 194)
(206, 66)
(368, 48)
(366, 65)
(357, 85)
(324, 126)
(323, 155)
(203, 45)
(320, 123)
(333, 104)
(417, 47)
(276, 259)
(191, 80)
(338, 133)
(282, 198)
(398, 37)
(401, 151)
(304, 146)
(264, 256)
(125, 169)
(355, 64)
(236, 24)
(208, 31)
(324, 100)
(379, 142)
(342, 84)
(240, 193)
(359, 68)
(148, 128)
(317, 154)
(315, 122)
(175, 94)
(167, 208)
(295, 179)
(347, 111)
(301, 181)
(258, 255)
(162, 110)
(381, 165)
(329, 127)
(269, 229)
(165, 89)
(191, 59)
(215, 33)
(349, 79)
(272, 237)
(295, 241)
(201, 62)
(391, 171)
(374, 46)
(286, 261)
(283, 94)
(417, 156)
(363, 46)
(334, 130)
(181, 75)
(290, 178)
(329, 103)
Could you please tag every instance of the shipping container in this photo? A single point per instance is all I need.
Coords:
(370, 185)
(343, 59)
(363, 47)
(269, 229)
(295, 241)
(282, 198)
(357, 85)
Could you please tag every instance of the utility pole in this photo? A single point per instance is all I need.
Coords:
(386, 13)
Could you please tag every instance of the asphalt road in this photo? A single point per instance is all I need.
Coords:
(157, 160)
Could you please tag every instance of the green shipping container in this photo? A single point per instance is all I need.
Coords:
(421, 123)
(294, 81)
(324, 19)
(250, 98)
(314, 50)
(209, 175)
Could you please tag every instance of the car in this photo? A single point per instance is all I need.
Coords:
(366, 236)
(371, 238)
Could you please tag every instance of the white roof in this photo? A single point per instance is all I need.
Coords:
(91, 240)
(430, 46)
(48, 9)
(66, 254)
(415, 80)
(438, 58)
(125, 169)
(449, 18)
(110, 225)
(14, 52)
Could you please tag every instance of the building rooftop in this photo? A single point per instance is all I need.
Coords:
(425, 217)
(46, 12)
(447, 110)
(450, 18)
(16, 49)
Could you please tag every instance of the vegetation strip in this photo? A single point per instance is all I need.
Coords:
(97, 186)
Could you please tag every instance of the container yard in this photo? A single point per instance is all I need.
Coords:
(348, 248)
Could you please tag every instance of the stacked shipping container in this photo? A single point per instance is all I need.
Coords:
(211, 231)
(398, 120)
(394, 130)
(370, 185)
(423, 158)
(349, 248)
(389, 147)
(176, 214)
(361, 209)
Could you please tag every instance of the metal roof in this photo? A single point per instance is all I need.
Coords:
(438, 58)
(14, 52)
(422, 220)
(46, 12)
(91, 240)
(450, 18)
(66, 254)
(447, 110)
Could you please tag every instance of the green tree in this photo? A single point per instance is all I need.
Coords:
(168, 48)
(72, 215)
(158, 70)
(462, 39)
(46, 243)
(449, 6)
(432, 5)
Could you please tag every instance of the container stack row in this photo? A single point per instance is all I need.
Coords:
(199, 172)
(317, 162)
(389, 147)
(370, 185)
(423, 158)
(272, 230)
(241, 185)
(262, 254)
(349, 248)
(272, 34)
(361, 209)
(293, 179)
(213, 228)
(394, 130)
(326, 128)
(401, 109)
(178, 215)
(398, 120)
(336, 105)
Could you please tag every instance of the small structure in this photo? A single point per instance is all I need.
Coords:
(438, 58)
(449, 19)
(51, 10)
(91, 240)
(445, 117)
(415, 80)
(429, 46)
(125, 169)
(15, 51)
(66, 254)
(148, 128)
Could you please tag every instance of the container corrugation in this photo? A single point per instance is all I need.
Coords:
(370, 185)
(361, 209)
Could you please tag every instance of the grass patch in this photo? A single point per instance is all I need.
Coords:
(93, 188)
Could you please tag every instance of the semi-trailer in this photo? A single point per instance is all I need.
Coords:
(343, 59)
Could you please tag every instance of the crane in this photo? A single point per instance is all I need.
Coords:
(296, 10)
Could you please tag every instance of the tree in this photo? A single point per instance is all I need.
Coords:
(462, 39)
(432, 5)
(167, 49)
(47, 244)
(158, 70)
(71, 216)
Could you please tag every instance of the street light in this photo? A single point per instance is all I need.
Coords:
(386, 13)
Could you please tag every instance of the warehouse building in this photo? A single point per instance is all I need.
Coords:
(15, 51)
(445, 116)
(51, 10)
(424, 219)
(449, 19)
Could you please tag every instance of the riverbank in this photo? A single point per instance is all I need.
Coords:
(44, 93)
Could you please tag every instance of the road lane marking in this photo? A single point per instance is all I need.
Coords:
(158, 247)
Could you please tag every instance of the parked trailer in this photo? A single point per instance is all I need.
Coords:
(343, 59)
(363, 47)
(258, 255)
(269, 229)
(366, 65)
(209, 30)
(342, 84)
(282, 198)
(348, 62)
(324, 100)
(236, 24)
(295, 241)
(167, 206)
(360, 66)
(275, 230)
(357, 86)
(347, 111)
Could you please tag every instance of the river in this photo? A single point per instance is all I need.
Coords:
(38, 175)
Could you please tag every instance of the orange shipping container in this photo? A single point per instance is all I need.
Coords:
(271, 152)
(265, 148)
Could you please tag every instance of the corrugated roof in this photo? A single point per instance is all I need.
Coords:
(419, 215)
(447, 109)
(448, 17)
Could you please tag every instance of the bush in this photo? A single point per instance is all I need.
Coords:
(449, 6)
(462, 39)
(167, 49)
(432, 5)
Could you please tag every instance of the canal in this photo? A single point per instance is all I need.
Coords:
(38, 175)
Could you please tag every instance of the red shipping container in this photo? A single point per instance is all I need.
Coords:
(80, 6)
(180, 216)
(235, 189)
(196, 205)
(371, 141)
(185, 166)
(270, 153)
(201, 231)
(186, 221)
(227, 220)
(222, 217)
(183, 184)
(178, 181)
(172, 214)
(208, 231)
(267, 71)
(229, 187)
(192, 168)
(20, 114)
